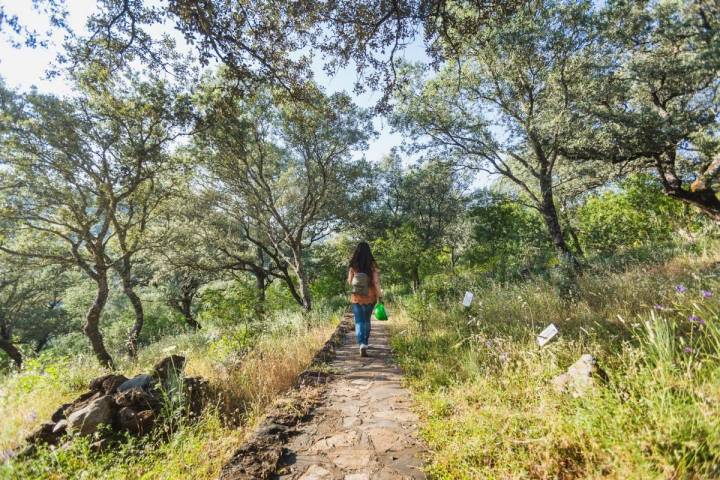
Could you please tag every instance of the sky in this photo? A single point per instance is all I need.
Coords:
(25, 67)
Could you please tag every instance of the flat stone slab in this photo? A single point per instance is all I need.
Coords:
(316, 472)
(364, 429)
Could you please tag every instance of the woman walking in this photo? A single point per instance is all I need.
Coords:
(364, 278)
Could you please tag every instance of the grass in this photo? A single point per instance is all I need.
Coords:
(484, 386)
(246, 371)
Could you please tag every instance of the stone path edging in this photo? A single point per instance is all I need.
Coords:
(258, 456)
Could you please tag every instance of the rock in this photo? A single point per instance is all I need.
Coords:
(44, 434)
(107, 383)
(197, 391)
(357, 476)
(580, 376)
(313, 378)
(110, 385)
(143, 381)
(341, 439)
(135, 397)
(60, 412)
(138, 423)
(174, 364)
(316, 472)
(349, 422)
(67, 408)
(126, 418)
(60, 427)
(353, 459)
(99, 445)
(385, 440)
(146, 420)
(96, 383)
(87, 420)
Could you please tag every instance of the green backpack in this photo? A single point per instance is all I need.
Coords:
(380, 313)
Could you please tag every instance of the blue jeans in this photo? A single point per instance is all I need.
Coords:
(362, 321)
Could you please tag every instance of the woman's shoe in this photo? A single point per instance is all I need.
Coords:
(363, 350)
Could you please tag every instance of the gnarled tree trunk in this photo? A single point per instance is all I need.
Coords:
(125, 272)
(305, 293)
(139, 317)
(183, 304)
(701, 193)
(552, 222)
(92, 320)
(289, 280)
(186, 310)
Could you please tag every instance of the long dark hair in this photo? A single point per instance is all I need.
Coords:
(363, 260)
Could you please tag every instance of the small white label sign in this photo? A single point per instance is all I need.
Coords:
(547, 334)
(468, 299)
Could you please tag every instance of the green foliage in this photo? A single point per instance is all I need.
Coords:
(404, 259)
(669, 125)
(281, 170)
(228, 303)
(507, 106)
(328, 266)
(508, 238)
(636, 213)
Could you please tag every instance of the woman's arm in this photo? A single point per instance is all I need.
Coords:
(351, 274)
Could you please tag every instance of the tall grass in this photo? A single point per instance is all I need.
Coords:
(246, 370)
(484, 386)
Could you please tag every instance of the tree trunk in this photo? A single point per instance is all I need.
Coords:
(552, 222)
(189, 287)
(288, 279)
(707, 201)
(260, 286)
(41, 343)
(186, 310)
(92, 321)
(415, 277)
(139, 315)
(7, 346)
(183, 306)
(305, 293)
(575, 240)
(701, 194)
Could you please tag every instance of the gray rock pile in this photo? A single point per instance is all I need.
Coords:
(125, 405)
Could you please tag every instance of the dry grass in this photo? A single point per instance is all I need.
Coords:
(29, 398)
(246, 384)
(484, 387)
(270, 367)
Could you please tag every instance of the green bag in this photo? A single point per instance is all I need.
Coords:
(380, 313)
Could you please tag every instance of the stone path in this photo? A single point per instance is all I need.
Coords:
(364, 429)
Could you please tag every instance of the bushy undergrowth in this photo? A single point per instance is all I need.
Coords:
(484, 386)
(247, 365)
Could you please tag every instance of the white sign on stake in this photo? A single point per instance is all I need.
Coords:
(468, 299)
(547, 334)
